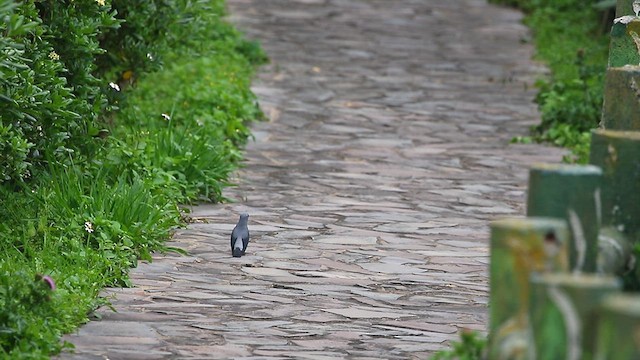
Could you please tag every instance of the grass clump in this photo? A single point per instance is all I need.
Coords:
(472, 346)
(97, 154)
(572, 41)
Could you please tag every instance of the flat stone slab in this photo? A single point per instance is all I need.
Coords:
(370, 189)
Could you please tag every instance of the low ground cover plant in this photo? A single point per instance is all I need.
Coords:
(571, 39)
(111, 114)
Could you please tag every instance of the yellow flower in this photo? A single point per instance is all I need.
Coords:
(54, 56)
(100, 2)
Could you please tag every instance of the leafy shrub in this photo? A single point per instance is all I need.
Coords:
(26, 302)
(183, 125)
(570, 109)
(135, 47)
(51, 100)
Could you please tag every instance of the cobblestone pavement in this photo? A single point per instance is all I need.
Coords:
(370, 190)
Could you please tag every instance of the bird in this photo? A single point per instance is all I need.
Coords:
(240, 236)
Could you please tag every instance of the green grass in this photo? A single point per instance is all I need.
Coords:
(571, 40)
(472, 346)
(86, 221)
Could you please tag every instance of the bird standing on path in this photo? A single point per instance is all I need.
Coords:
(240, 236)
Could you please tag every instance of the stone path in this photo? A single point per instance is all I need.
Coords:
(370, 191)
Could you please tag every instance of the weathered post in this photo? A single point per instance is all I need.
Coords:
(562, 314)
(621, 109)
(614, 252)
(618, 154)
(625, 7)
(618, 330)
(520, 247)
(572, 193)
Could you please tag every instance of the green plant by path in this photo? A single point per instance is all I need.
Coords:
(84, 202)
(181, 127)
(470, 347)
(571, 40)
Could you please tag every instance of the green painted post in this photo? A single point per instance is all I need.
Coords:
(621, 107)
(520, 247)
(618, 154)
(572, 193)
(618, 330)
(562, 314)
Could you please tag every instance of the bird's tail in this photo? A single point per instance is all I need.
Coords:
(237, 248)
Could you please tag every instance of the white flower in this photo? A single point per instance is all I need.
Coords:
(149, 56)
(114, 86)
(54, 56)
(166, 117)
(88, 227)
(100, 2)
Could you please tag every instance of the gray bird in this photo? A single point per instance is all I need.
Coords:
(240, 236)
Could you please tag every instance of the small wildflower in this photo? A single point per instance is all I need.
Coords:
(100, 2)
(88, 227)
(166, 117)
(47, 280)
(127, 75)
(54, 56)
(149, 56)
(114, 86)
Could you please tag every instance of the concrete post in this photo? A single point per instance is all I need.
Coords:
(618, 331)
(562, 314)
(621, 107)
(572, 193)
(618, 154)
(520, 247)
(615, 252)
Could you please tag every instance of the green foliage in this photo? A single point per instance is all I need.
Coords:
(82, 231)
(470, 347)
(571, 99)
(26, 301)
(183, 125)
(135, 47)
(96, 152)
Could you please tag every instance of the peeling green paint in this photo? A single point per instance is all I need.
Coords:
(623, 50)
